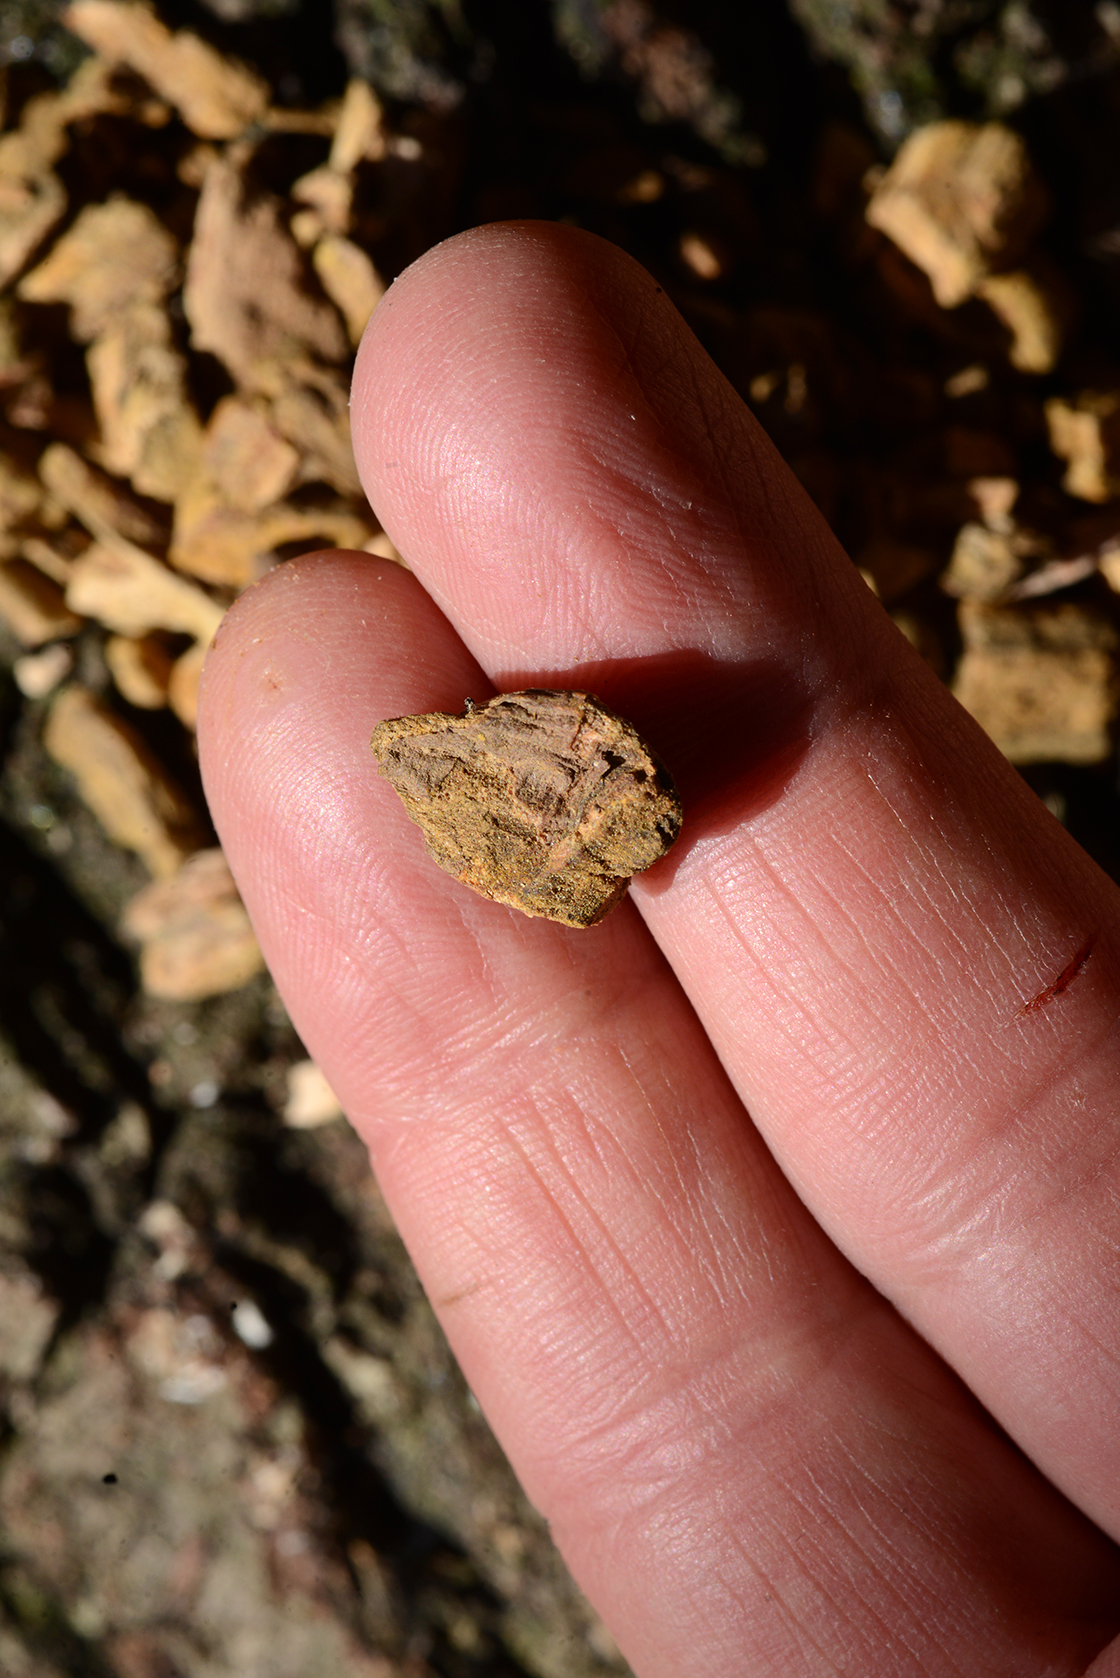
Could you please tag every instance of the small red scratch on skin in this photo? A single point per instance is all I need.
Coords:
(1062, 982)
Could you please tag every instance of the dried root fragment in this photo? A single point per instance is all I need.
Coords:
(545, 801)
(1086, 434)
(350, 280)
(115, 254)
(311, 1101)
(193, 930)
(149, 430)
(244, 293)
(120, 780)
(962, 201)
(32, 606)
(215, 97)
(1041, 681)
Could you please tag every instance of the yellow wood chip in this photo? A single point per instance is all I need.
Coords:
(216, 97)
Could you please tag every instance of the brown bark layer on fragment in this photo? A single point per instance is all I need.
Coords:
(544, 801)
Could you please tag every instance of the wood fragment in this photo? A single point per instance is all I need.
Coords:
(250, 463)
(39, 673)
(350, 280)
(383, 547)
(120, 780)
(30, 204)
(103, 505)
(360, 131)
(182, 689)
(20, 495)
(33, 606)
(962, 201)
(994, 499)
(38, 142)
(307, 228)
(329, 194)
(131, 593)
(222, 545)
(216, 98)
(1041, 680)
(32, 198)
(54, 560)
(986, 563)
(140, 666)
(98, 87)
(1056, 574)
(1030, 304)
(150, 433)
(115, 254)
(312, 410)
(245, 296)
(1085, 433)
(544, 801)
(311, 1101)
(194, 933)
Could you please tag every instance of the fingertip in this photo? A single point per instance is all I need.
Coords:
(303, 666)
(489, 355)
(254, 660)
(493, 264)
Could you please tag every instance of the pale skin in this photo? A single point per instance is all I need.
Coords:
(776, 1231)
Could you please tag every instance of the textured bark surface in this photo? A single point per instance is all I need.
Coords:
(545, 801)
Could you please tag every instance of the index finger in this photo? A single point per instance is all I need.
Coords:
(745, 1454)
(866, 897)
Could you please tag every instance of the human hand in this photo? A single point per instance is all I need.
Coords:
(727, 1203)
